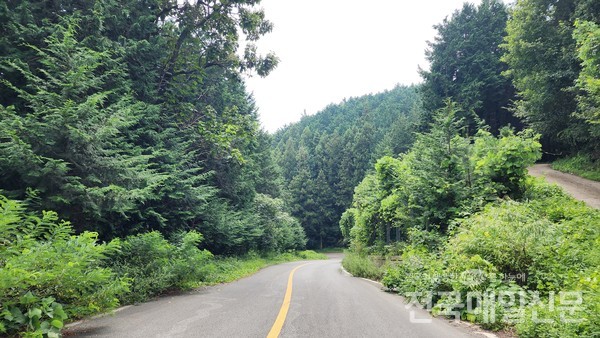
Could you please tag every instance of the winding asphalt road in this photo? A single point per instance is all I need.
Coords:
(325, 302)
(300, 299)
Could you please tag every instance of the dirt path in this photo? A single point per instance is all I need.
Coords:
(580, 188)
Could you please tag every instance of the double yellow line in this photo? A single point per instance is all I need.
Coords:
(285, 306)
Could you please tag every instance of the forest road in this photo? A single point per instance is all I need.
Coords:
(578, 187)
(325, 302)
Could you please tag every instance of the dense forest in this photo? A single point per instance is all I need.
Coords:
(131, 122)
(132, 161)
(324, 156)
(455, 224)
(485, 59)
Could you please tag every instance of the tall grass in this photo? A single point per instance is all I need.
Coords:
(580, 165)
(362, 266)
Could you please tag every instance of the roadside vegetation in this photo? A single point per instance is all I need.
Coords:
(50, 275)
(457, 218)
(580, 165)
(227, 269)
(132, 164)
(455, 224)
(360, 264)
(136, 128)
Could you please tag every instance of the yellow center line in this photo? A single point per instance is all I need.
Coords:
(278, 325)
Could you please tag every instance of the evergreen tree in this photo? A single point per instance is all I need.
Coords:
(323, 157)
(132, 120)
(71, 138)
(466, 67)
(542, 56)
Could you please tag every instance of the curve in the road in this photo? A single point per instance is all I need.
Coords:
(326, 302)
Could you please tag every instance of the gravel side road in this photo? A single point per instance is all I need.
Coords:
(580, 188)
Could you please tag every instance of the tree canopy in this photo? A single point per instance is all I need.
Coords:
(131, 117)
(465, 65)
(324, 156)
(542, 55)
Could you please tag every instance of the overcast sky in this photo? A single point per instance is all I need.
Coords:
(336, 49)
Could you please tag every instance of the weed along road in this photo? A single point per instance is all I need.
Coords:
(300, 299)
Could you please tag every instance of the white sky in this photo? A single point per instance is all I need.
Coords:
(336, 49)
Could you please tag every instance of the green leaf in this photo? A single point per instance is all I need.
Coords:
(57, 323)
(34, 313)
(18, 316)
(28, 298)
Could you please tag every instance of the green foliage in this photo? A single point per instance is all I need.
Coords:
(36, 317)
(324, 156)
(468, 218)
(418, 270)
(504, 160)
(466, 67)
(227, 269)
(510, 236)
(310, 254)
(362, 266)
(282, 232)
(580, 164)
(129, 121)
(542, 56)
(548, 243)
(587, 36)
(446, 174)
(71, 142)
(347, 221)
(155, 265)
(43, 268)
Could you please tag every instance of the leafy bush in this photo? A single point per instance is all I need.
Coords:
(551, 240)
(418, 271)
(501, 162)
(577, 318)
(43, 268)
(533, 249)
(509, 235)
(154, 265)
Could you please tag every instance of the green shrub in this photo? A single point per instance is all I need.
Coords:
(362, 266)
(509, 235)
(418, 270)
(43, 268)
(545, 321)
(501, 163)
(155, 265)
(551, 238)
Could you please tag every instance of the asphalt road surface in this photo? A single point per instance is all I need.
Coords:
(325, 302)
(578, 187)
